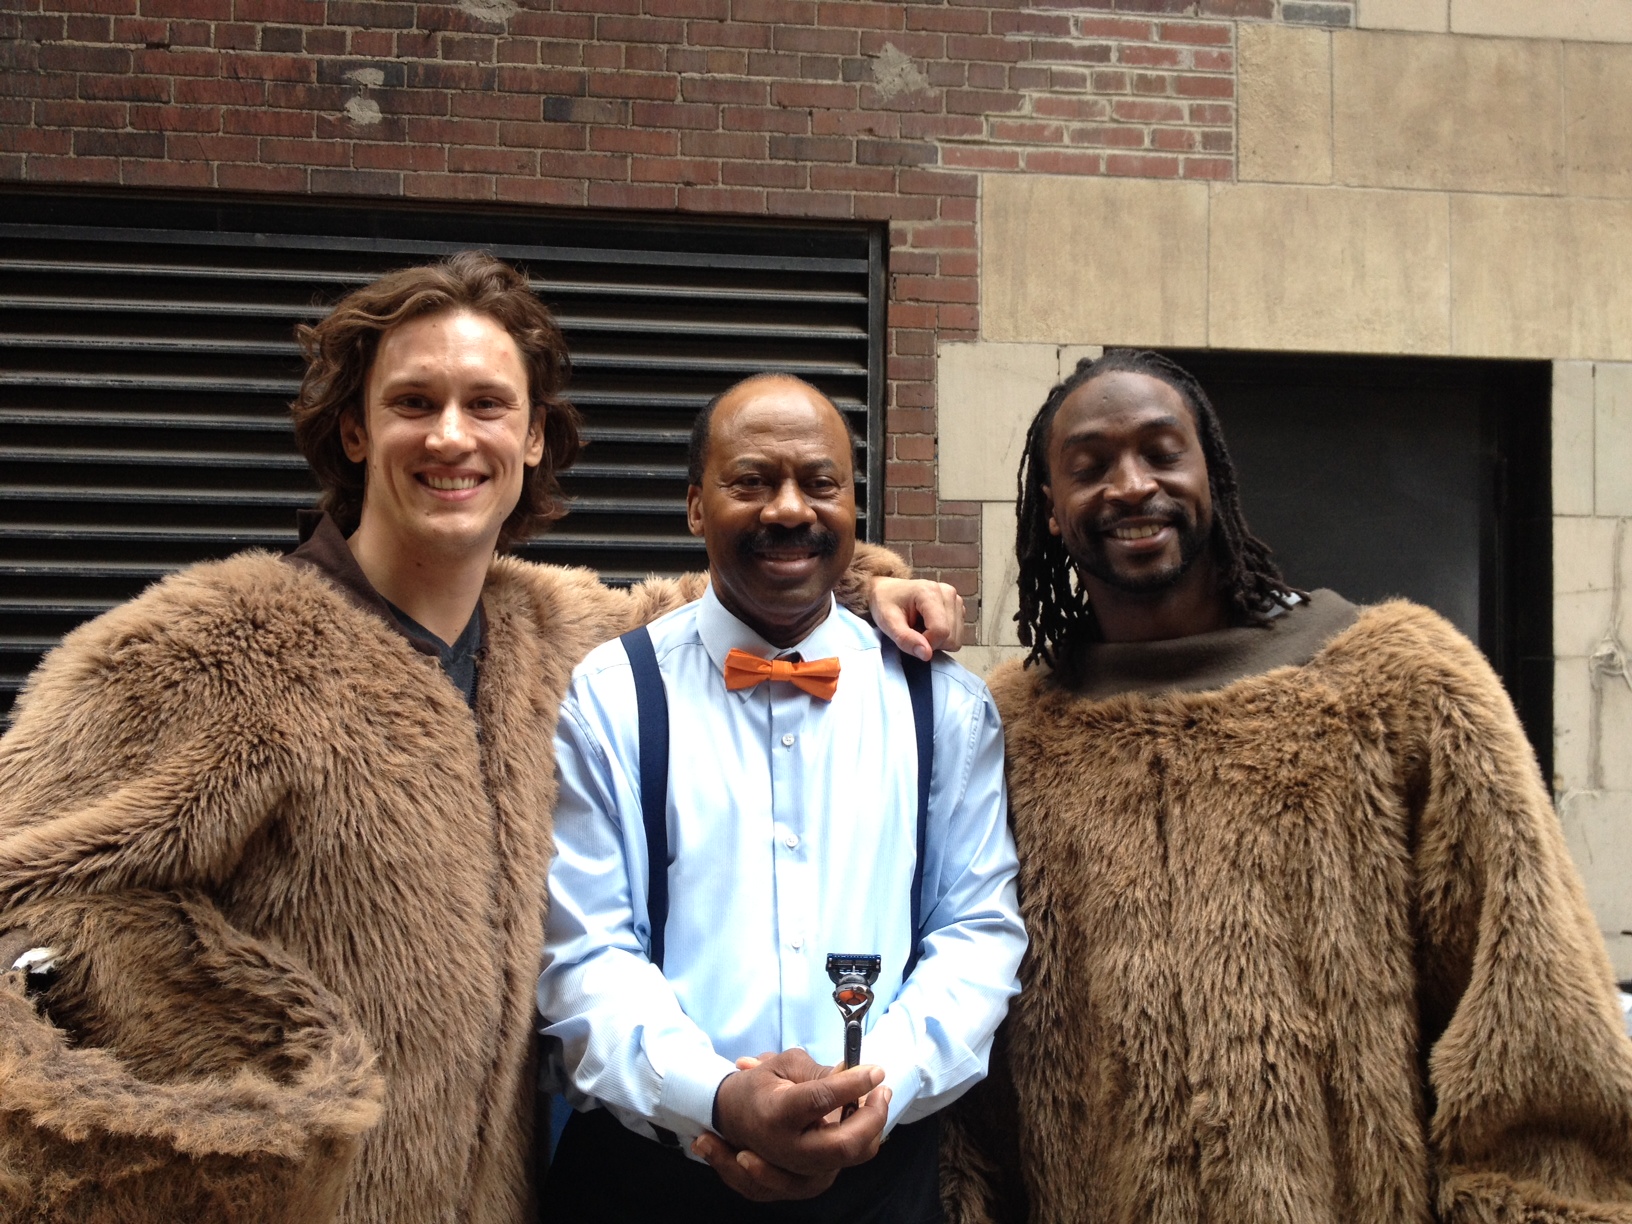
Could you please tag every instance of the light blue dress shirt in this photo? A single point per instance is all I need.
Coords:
(793, 828)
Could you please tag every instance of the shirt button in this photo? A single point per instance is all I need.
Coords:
(797, 942)
(787, 741)
(791, 841)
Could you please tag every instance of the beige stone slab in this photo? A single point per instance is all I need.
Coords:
(1429, 15)
(1598, 831)
(1583, 581)
(1456, 114)
(999, 575)
(1572, 725)
(1547, 278)
(1329, 270)
(987, 394)
(1111, 261)
(1573, 411)
(1598, 117)
(1612, 433)
(1590, 20)
(983, 660)
(1284, 104)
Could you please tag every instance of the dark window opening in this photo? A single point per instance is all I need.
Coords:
(1425, 478)
(147, 360)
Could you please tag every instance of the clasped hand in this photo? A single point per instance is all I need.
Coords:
(780, 1134)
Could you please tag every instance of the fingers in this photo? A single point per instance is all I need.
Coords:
(891, 618)
(940, 614)
(808, 1101)
(757, 1179)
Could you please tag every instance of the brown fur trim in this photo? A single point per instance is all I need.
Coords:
(195, 1074)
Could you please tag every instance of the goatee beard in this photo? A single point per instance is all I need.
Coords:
(1094, 560)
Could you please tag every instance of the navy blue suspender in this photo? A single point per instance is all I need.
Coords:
(652, 704)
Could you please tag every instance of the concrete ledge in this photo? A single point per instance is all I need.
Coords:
(1587, 20)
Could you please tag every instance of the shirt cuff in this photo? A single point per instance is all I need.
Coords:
(686, 1103)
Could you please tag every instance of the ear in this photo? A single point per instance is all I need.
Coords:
(354, 437)
(535, 439)
(694, 510)
(1053, 524)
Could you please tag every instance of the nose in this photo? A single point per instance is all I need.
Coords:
(787, 506)
(449, 431)
(1130, 481)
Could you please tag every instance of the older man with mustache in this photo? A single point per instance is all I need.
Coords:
(814, 794)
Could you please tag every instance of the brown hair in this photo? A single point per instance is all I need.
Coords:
(340, 351)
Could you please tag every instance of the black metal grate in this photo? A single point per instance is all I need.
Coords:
(147, 360)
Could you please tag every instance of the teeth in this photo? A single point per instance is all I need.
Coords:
(453, 482)
(1135, 533)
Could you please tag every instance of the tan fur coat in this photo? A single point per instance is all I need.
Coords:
(245, 740)
(1306, 949)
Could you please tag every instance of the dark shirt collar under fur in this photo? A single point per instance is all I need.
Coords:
(1206, 661)
(324, 549)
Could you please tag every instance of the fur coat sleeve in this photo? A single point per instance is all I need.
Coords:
(1529, 1071)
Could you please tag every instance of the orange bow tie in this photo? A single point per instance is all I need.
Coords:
(819, 677)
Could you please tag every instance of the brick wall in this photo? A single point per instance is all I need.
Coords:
(790, 108)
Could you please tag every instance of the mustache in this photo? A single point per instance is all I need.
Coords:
(1154, 508)
(770, 538)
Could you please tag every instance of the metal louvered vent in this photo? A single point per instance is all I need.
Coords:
(147, 360)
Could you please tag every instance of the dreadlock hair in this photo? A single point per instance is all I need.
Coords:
(1055, 614)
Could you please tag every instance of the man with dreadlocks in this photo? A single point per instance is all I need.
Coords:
(1306, 945)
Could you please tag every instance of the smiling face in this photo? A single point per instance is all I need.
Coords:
(1128, 485)
(776, 506)
(446, 436)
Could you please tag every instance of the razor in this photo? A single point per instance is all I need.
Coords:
(853, 975)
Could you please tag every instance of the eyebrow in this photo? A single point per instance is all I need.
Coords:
(1094, 435)
(743, 463)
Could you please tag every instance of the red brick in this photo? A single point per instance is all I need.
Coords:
(958, 318)
(202, 146)
(1152, 83)
(263, 122)
(1050, 25)
(916, 368)
(433, 130)
(812, 148)
(224, 93)
(935, 182)
(89, 142)
(1145, 55)
(643, 57)
(536, 23)
(634, 140)
(415, 157)
(852, 178)
(1218, 140)
(57, 142)
(631, 195)
(836, 205)
(981, 102)
(1064, 161)
(909, 475)
(493, 161)
(639, 29)
(261, 178)
(1070, 108)
(523, 107)
(945, 289)
(373, 44)
(1212, 113)
(513, 51)
(695, 116)
(711, 89)
(744, 34)
(1109, 80)
(1029, 77)
(166, 174)
(1178, 140)
(1122, 28)
(657, 87)
(693, 171)
(914, 343)
(564, 194)
(449, 186)
(943, 237)
(1129, 110)
(583, 165)
(807, 94)
(1142, 165)
(1238, 8)
(986, 76)
(721, 199)
(856, 13)
(69, 169)
(747, 119)
(893, 208)
(1027, 131)
(942, 127)
(473, 48)
(948, 20)
(1213, 61)
(304, 152)
(958, 208)
(1204, 86)
(959, 529)
(818, 41)
(81, 114)
(898, 527)
(292, 12)
(198, 10)
(1219, 168)
(737, 145)
(779, 12)
(763, 174)
(713, 10)
(1215, 34)
(855, 123)
(61, 57)
(974, 157)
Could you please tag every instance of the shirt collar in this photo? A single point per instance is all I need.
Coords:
(721, 632)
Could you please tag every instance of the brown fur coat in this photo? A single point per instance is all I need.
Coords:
(249, 744)
(1305, 949)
